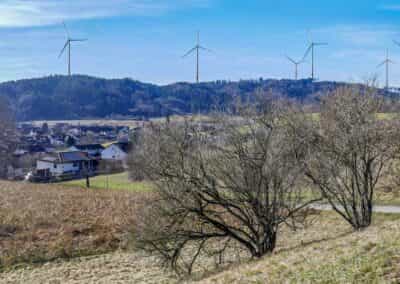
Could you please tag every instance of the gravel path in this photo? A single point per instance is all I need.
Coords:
(110, 268)
(377, 208)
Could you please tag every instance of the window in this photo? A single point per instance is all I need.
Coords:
(55, 166)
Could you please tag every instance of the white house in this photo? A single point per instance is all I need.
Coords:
(56, 142)
(115, 152)
(64, 163)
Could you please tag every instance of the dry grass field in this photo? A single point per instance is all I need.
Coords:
(57, 234)
(39, 223)
(88, 122)
(116, 122)
(328, 251)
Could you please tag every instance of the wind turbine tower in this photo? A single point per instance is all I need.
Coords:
(197, 49)
(387, 63)
(296, 66)
(68, 45)
(311, 48)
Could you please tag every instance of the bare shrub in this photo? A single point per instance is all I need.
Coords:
(7, 136)
(217, 191)
(350, 148)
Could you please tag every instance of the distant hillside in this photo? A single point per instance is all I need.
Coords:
(79, 97)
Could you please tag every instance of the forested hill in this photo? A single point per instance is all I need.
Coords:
(79, 97)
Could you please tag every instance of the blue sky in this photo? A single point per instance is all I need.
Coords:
(145, 39)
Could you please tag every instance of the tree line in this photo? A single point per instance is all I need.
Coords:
(84, 97)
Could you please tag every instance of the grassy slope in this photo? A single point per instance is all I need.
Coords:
(327, 252)
(113, 182)
(58, 222)
(388, 198)
(332, 255)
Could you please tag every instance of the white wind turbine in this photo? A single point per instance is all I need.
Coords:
(197, 49)
(68, 45)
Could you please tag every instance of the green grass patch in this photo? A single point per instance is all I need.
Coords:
(387, 116)
(382, 116)
(112, 182)
(372, 263)
(379, 218)
(381, 196)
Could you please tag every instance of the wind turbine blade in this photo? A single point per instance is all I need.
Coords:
(396, 42)
(320, 43)
(62, 51)
(204, 48)
(307, 52)
(380, 65)
(66, 29)
(79, 39)
(290, 59)
(189, 52)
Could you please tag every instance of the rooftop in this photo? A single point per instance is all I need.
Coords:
(66, 157)
(89, 147)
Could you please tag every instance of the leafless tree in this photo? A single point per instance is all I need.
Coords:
(7, 136)
(349, 150)
(235, 188)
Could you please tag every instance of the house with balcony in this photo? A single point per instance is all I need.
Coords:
(72, 163)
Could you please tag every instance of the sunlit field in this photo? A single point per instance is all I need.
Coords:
(40, 223)
(112, 182)
(53, 233)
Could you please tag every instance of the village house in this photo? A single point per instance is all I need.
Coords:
(116, 152)
(64, 163)
(93, 150)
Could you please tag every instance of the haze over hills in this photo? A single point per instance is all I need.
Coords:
(84, 97)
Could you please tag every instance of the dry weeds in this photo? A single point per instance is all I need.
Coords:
(326, 252)
(39, 223)
(45, 222)
(107, 269)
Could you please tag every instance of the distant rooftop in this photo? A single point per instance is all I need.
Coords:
(66, 157)
(124, 146)
(89, 147)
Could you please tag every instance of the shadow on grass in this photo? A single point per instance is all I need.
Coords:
(231, 266)
(317, 241)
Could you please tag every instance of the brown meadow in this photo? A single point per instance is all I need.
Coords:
(39, 223)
